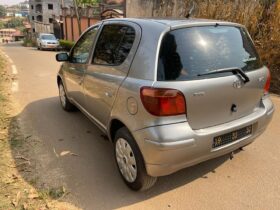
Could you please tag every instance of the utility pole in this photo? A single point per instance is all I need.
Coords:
(61, 19)
(62, 3)
(78, 17)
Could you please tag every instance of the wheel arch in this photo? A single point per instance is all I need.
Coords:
(114, 126)
(146, 181)
(58, 79)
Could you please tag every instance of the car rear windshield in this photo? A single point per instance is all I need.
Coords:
(186, 53)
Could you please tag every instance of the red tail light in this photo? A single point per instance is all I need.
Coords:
(163, 102)
(267, 83)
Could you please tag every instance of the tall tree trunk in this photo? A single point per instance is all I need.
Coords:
(78, 17)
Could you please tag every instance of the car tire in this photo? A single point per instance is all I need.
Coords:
(131, 165)
(64, 101)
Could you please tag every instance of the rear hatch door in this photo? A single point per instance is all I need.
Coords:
(189, 56)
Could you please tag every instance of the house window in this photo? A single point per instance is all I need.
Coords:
(33, 30)
(50, 20)
(32, 7)
(50, 6)
(33, 18)
(39, 18)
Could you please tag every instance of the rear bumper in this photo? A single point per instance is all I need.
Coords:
(169, 148)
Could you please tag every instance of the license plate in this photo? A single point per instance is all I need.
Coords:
(232, 136)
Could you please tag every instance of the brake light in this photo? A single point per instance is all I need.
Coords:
(267, 83)
(162, 101)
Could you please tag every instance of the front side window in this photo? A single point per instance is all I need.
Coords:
(189, 52)
(114, 45)
(81, 51)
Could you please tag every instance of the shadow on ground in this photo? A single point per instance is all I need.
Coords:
(90, 175)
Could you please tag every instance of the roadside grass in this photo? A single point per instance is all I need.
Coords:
(16, 191)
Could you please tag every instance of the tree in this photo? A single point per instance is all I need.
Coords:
(83, 3)
(14, 23)
(2, 25)
(78, 16)
(2, 11)
(88, 2)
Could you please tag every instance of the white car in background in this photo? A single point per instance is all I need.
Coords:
(47, 41)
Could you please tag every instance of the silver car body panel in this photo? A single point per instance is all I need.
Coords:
(169, 148)
(209, 100)
(101, 82)
(74, 76)
(169, 144)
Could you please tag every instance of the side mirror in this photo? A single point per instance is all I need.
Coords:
(60, 57)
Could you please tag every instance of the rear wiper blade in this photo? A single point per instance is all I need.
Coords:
(233, 70)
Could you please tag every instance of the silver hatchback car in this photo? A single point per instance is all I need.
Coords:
(168, 93)
(47, 41)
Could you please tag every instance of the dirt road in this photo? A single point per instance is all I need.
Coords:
(250, 181)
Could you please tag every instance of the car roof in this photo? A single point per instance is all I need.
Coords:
(173, 22)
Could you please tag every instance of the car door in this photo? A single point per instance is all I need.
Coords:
(113, 54)
(77, 65)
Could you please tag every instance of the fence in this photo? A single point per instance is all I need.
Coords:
(88, 16)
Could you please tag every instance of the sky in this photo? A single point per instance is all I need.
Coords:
(10, 2)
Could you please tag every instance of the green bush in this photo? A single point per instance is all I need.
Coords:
(66, 45)
(29, 43)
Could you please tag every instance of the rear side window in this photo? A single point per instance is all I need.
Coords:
(187, 52)
(113, 45)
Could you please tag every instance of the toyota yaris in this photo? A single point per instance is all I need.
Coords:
(168, 93)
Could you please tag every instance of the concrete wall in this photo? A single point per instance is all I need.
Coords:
(43, 28)
(157, 8)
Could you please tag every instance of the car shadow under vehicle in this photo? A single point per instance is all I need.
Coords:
(67, 149)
